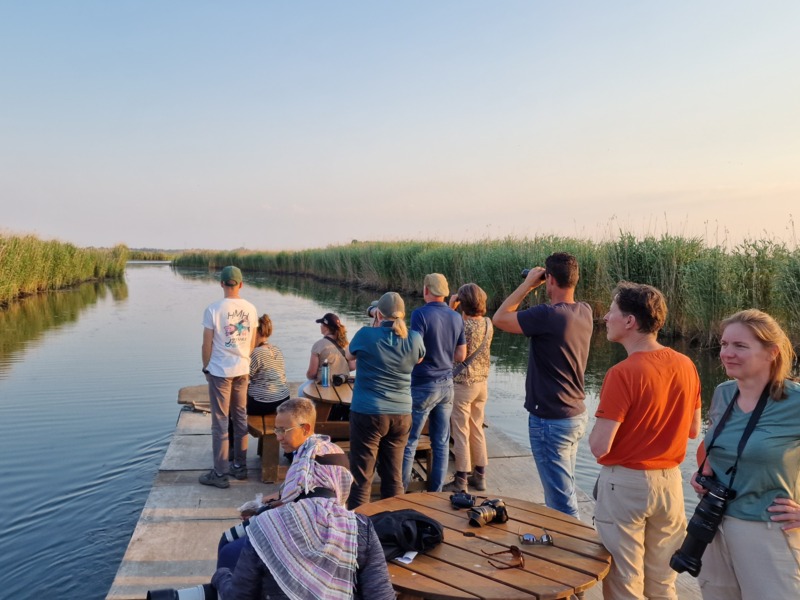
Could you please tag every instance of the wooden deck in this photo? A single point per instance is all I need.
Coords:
(175, 541)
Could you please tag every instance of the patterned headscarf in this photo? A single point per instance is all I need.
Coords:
(310, 545)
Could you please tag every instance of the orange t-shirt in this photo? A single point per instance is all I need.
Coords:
(653, 395)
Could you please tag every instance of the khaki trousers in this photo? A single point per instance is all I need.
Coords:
(751, 560)
(466, 425)
(641, 521)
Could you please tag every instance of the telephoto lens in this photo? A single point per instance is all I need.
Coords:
(237, 531)
(702, 526)
(198, 592)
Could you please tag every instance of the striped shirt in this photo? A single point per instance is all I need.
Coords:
(267, 374)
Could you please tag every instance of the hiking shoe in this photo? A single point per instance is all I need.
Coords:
(457, 485)
(239, 472)
(477, 480)
(215, 479)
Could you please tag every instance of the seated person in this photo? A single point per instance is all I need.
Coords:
(332, 348)
(310, 546)
(294, 428)
(267, 388)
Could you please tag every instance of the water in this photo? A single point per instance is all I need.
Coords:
(88, 387)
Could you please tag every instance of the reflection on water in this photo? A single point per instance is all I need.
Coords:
(88, 387)
(25, 320)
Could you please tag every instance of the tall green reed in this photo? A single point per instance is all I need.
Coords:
(702, 284)
(29, 265)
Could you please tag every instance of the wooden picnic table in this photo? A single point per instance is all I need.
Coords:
(333, 408)
(458, 569)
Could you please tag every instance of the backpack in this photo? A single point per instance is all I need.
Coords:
(402, 530)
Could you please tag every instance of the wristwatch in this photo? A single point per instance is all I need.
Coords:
(206, 371)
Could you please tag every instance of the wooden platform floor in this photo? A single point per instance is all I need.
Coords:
(175, 541)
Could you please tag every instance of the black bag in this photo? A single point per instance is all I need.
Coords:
(402, 530)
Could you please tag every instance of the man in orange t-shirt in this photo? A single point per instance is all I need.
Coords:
(649, 408)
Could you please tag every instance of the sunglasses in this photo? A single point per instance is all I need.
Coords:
(529, 539)
(515, 552)
(284, 430)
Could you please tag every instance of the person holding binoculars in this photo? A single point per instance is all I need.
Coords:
(559, 333)
(755, 550)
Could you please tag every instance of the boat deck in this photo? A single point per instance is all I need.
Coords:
(175, 541)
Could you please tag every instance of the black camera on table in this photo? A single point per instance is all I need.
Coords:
(199, 592)
(702, 526)
(463, 500)
(490, 511)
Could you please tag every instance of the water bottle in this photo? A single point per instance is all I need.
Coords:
(326, 373)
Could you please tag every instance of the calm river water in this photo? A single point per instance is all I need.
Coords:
(88, 386)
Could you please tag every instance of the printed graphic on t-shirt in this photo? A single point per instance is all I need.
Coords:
(238, 328)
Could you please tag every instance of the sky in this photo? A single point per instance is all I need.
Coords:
(284, 125)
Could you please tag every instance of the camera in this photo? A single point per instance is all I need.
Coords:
(238, 530)
(198, 592)
(490, 511)
(702, 526)
(462, 500)
(339, 379)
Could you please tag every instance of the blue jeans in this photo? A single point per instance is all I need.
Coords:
(554, 443)
(432, 401)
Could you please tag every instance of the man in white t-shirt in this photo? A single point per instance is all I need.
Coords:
(228, 339)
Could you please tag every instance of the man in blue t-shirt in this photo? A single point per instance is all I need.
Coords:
(559, 334)
(442, 330)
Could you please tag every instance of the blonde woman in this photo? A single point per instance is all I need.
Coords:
(755, 553)
(380, 414)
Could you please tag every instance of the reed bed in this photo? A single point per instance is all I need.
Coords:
(159, 255)
(29, 265)
(702, 283)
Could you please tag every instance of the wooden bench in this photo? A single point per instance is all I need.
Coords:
(262, 427)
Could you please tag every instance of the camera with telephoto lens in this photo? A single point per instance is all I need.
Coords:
(463, 500)
(702, 526)
(238, 530)
(490, 511)
(198, 592)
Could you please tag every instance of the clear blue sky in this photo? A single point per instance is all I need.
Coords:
(272, 125)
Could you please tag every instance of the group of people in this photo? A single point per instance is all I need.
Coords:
(649, 408)
(437, 370)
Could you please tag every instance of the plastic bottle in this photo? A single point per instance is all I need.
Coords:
(326, 374)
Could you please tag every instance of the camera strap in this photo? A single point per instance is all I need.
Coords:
(751, 425)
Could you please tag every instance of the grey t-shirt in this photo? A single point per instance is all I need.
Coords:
(559, 336)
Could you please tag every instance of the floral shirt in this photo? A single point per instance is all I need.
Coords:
(478, 369)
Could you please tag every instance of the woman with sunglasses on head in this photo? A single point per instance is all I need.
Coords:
(471, 392)
(755, 553)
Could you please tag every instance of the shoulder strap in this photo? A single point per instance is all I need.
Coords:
(337, 346)
(751, 425)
